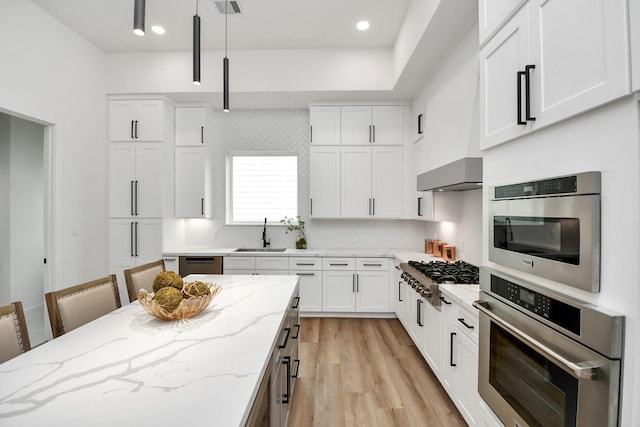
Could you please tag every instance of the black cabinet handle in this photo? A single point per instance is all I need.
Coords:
(296, 374)
(285, 397)
(453, 334)
(357, 283)
(520, 74)
(445, 301)
(373, 204)
(369, 133)
(419, 206)
(137, 242)
(369, 206)
(132, 129)
(338, 265)
(309, 264)
(372, 265)
(305, 274)
(311, 133)
(201, 134)
(287, 333)
(420, 312)
(296, 302)
(353, 283)
(420, 118)
(468, 326)
(131, 191)
(297, 335)
(136, 136)
(202, 206)
(310, 206)
(137, 198)
(527, 89)
(131, 237)
(399, 291)
(374, 133)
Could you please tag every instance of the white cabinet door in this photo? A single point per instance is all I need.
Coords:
(190, 125)
(386, 182)
(416, 319)
(149, 176)
(325, 125)
(122, 120)
(150, 120)
(355, 123)
(189, 182)
(171, 263)
(580, 63)
(338, 291)
(372, 291)
(122, 176)
(387, 125)
(501, 59)
(418, 118)
(450, 376)
(433, 338)
(468, 398)
(324, 182)
(491, 14)
(355, 192)
(121, 244)
(148, 240)
(310, 290)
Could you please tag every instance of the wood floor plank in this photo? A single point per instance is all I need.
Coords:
(366, 372)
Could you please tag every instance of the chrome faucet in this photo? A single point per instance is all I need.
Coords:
(265, 241)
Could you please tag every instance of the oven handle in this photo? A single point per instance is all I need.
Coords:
(581, 370)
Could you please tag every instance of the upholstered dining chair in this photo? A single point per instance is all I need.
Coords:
(141, 277)
(14, 337)
(74, 306)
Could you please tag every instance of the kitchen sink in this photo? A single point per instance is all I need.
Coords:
(259, 250)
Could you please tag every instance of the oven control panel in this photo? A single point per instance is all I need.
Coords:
(548, 308)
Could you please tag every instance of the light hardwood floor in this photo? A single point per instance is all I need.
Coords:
(365, 372)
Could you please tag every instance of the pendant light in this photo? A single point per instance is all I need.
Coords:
(196, 47)
(225, 65)
(138, 17)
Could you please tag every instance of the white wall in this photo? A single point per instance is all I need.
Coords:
(5, 249)
(52, 76)
(605, 140)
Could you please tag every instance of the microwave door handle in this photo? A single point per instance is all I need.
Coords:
(582, 370)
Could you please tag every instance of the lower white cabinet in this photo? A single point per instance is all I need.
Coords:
(171, 263)
(309, 271)
(355, 285)
(273, 266)
(433, 338)
(415, 321)
(133, 242)
(486, 417)
(339, 291)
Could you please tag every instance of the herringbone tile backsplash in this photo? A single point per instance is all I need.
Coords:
(288, 130)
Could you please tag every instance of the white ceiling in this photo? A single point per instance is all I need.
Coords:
(262, 24)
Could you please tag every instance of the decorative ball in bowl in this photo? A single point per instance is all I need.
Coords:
(174, 300)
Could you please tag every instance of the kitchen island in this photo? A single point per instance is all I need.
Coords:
(130, 367)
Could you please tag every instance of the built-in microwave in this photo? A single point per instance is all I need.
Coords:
(549, 228)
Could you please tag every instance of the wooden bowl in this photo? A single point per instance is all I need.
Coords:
(188, 307)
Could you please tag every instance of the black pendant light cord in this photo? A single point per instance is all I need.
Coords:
(225, 65)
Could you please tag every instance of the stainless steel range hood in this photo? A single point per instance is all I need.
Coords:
(463, 174)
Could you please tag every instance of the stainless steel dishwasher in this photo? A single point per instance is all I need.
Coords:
(199, 265)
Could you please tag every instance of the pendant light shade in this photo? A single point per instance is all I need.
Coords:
(225, 89)
(138, 17)
(196, 49)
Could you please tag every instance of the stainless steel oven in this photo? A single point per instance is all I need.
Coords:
(546, 359)
(549, 228)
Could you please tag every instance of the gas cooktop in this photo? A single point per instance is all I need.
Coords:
(458, 272)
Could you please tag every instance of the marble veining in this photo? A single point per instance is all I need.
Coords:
(129, 366)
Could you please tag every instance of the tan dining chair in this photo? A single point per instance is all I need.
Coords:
(141, 277)
(14, 337)
(73, 307)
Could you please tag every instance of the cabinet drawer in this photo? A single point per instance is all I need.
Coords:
(272, 263)
(372, 264)
(239, 263)
(338, 263)
(467, 323)
(305, 263)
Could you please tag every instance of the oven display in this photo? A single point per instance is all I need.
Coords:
(528, 297)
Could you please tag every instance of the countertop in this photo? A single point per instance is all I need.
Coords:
(130, 367)
(402, 255)
(464, 295)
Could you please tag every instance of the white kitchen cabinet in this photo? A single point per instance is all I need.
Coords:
(355, 285)
(189, 182)
(135, 179)
(574, 65)
(433, 325)
(492, 14)
(133, 242)
(398, 293)
(416, 318)
(136, 120)
(468, 399)
(324, 182)
(364, 125)
(325, 125)
(268, 265)
(371, 182)
(372, 285)
(419, 108)
(171, 263)
(486, 417)
(190, 126)
(339, 291)
(309, 270)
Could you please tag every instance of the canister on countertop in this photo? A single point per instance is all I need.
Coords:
(438, 247)
(428, 246)
(449, 253)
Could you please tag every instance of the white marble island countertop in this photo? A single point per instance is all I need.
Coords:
(131, 368)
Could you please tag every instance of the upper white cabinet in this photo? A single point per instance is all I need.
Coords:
(190, 126)
(418, 118)
(325, 125)
(491, 14)
(364, 125)
(544, 66)
(135, 179)
(136, 120)
(189, 182)
(324, 182)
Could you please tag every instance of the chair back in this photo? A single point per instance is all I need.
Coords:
(141, 277)
(73, 307)
(14, 338)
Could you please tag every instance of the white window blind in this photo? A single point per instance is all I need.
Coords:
(263, 186)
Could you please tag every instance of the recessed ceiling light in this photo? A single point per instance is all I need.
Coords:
(362, 25)
(158, 29)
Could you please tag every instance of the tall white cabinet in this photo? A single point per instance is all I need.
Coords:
(358, 172)
(138, 129)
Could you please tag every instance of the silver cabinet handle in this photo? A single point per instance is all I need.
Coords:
(305, 274)
(582, 370)
(357, 283)
(311, 133)
(353, 289)
(305, 263)
(374, 133)
(373, 206)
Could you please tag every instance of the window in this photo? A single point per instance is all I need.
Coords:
(262, 186)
